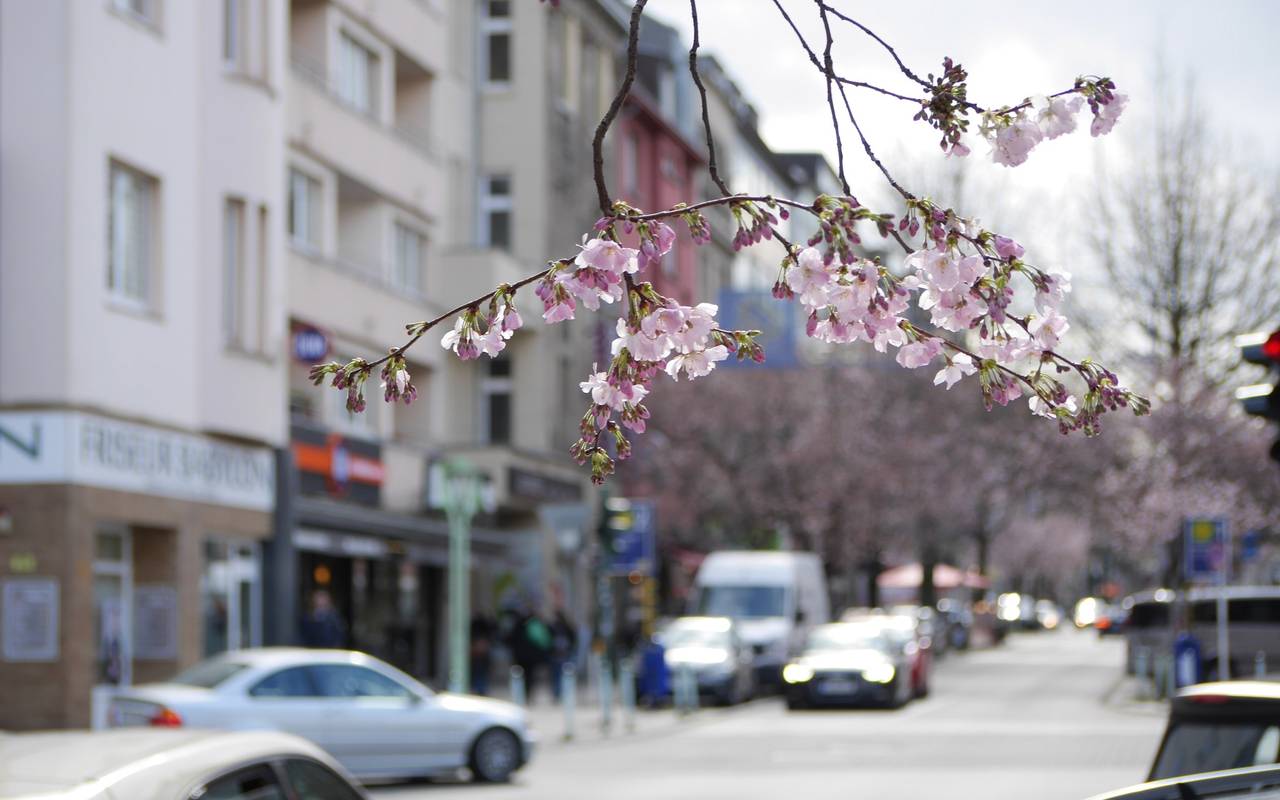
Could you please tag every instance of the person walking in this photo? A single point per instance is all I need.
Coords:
(530, 647)
(564, 647)
(482, 634)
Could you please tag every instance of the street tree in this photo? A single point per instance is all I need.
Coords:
(991, 312)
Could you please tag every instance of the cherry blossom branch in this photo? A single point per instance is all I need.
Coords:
(712, 168)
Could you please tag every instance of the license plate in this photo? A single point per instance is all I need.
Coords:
(837, 686)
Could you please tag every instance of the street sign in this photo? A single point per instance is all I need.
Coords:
(1206, 548)
(634, 548)
(1250, 546)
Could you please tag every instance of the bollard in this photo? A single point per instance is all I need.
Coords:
(568, 697)
(686, 689)
(606, 697)
(517, 685)
(1260, 665)
(1142, 670)
(627, 693)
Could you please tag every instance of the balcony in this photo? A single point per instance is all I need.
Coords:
(419, 28)
(467, 273)
(398, 160)
(355, 299)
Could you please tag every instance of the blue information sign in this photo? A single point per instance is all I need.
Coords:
(635, 548)
(757, 310)
(1205, 547)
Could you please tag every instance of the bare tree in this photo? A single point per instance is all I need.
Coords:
(1188, 237)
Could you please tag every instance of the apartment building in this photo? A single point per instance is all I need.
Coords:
(141, 327)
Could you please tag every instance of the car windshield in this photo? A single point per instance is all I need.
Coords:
(846, 637)
(1207, 746)
(742, 601)
(680, 636)
(208, 674)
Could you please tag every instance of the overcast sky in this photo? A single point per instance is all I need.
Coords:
(1011, 50)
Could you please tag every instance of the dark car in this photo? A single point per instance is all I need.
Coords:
(848, 663)
(1222, 725)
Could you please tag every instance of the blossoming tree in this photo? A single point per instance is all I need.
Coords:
(993, 313)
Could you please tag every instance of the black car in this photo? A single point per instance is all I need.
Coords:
(1221, 725)
(848, 663)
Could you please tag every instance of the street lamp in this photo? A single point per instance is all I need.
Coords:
(463, 491)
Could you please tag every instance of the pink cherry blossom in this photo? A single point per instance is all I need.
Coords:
(1058, 115)
(1048, 329)
(920, 353)
(1108, 115)
(697, 363)
(1013, 142)
(957, 367)
(1007, 248)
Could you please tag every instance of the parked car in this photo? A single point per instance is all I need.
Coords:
(1253, 783)
(374, 719)
(775, 597)
(1222, 725)
(713, 650)
(153, 764)
(1048, 614)
(1253, 620)
(848, 663)
(904, 631)
(956, 622)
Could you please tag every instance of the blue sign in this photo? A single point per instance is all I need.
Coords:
(1205, 549)
(1251, 545)
(778, 321)
(1186, 660)
(309, 344)
(635, 549)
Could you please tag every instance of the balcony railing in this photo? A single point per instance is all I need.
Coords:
(370, 272)
(317, 76)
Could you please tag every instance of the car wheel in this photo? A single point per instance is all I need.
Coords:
(495, 755)
(795, 704)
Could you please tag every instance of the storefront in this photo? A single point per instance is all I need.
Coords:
(382, 571)
(127, 552)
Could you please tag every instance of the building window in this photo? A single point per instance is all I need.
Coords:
(112, 611)
(357, 75)
(304, 210)
(231, 596)
(496, 29)
(410, 256)
(631, 165)
(233, 271)
(495, 212)
(233, 32)
(147, 11)
(131, 235)
(496, 391)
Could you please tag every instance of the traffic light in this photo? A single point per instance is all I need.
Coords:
(1261, 399)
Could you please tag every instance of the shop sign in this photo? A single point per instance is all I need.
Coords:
(310, 344)
(528, 485)
(85, 449)
(331, 464)
(155, 623)
(29, 619)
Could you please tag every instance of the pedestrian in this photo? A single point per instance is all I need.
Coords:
(323, 626)
(564, 646)
(482, 633)
(530, 648)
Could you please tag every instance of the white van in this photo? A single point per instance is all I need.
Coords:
(775, 597)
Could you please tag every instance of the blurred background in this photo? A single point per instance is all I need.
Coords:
(199, 199)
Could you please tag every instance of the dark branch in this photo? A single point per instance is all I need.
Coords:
(702, 95)
(597, 143)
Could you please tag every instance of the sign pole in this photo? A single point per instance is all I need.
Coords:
(1224, 566)
(461, 492)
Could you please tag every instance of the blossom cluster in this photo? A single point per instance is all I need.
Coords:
(1012, 134)
(474, 333)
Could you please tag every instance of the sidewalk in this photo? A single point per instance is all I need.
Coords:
(1135, 695)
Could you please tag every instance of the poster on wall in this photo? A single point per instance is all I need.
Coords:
(29, 619)
(155, 623)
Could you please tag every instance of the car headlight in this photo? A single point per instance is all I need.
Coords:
(797, 673)
(879, 673)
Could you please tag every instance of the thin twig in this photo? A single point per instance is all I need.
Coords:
(702, 95)
(835, 122)
(597, 142)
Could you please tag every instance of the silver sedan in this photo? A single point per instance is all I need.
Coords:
(374, 719)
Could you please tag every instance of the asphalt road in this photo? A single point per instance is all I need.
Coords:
(1033, 718)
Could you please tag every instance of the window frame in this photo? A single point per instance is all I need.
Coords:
(313, 214)
(350, 43)
(402, 230)
(490, 204)
(491, 26)
(497, 385)
(234, 275)
(117, 274)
